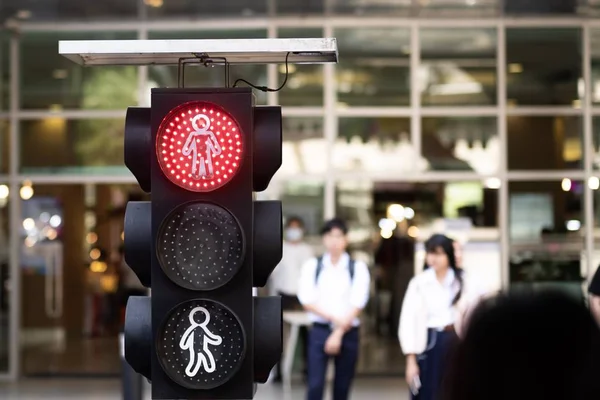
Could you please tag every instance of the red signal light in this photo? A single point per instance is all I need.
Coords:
(199, 146)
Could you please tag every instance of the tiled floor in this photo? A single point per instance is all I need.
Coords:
(108, 389)
(99, 356)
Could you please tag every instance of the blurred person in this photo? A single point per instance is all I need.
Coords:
(435, 306)
(594, 292)
(334, 289)
(286, 276)
(394, 258)
(532, 345)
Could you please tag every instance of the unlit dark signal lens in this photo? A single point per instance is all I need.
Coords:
(200, 246)
(201, 345)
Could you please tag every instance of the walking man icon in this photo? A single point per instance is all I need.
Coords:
(201, 356)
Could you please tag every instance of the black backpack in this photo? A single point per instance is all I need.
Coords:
(320, 268)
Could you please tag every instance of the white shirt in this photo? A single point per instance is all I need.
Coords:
(334, 292)
(438, 298)
(428, 304)
(286, 276)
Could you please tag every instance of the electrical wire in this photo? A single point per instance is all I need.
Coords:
(265, 88)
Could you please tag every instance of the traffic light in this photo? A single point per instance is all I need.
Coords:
(202, 243)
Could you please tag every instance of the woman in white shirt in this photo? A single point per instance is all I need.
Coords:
(435, 303)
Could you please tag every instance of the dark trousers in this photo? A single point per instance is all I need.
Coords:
(345, 363)
(291, 303)
(433, 363)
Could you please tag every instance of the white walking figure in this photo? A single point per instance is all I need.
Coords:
(202, 356)
(203, 145)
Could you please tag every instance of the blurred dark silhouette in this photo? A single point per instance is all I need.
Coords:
(542, 345)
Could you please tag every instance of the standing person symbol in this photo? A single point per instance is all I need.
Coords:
(202, 356)
(203, 145)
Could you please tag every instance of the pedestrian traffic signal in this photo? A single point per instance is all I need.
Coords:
(202, 243)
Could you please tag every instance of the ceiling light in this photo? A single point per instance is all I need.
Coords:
(413, 231)
(60, 73)
(28, 224)
(594, 183)
(456, 88)
(291, 68)
(26, 192)
(154, 3)
(566, 185)
(493, 183)
(515, 68)
(396, 212)
(386, 234)
(573, 225)
(91, 238)
(386, 224)
(95, 254)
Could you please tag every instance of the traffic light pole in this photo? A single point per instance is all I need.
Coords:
(132, 383)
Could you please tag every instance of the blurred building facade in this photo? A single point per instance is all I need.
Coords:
(479, 115)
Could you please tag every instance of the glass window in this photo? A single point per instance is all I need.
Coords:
(362, 7)
(557, 142)
(423, 8)
(305, 198)
(284, 7)
(4, 145)
(305, 82)
(544, 66)
(304, 150)
(595, 151)
(71, 10)
(461, 143)
(458, 8)
(4, 282)
(458, 67)
(375, 145)
(202, 9)
(354, 202)
(595, 58)
(51, 81)
(549, 8)
(374, 69)
(546, 243)
(590, 268)
(201, 76)
(4, 72)
(56, 145)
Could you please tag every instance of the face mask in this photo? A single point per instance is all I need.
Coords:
(293, 234)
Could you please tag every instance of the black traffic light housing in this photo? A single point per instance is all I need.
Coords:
(202, 334)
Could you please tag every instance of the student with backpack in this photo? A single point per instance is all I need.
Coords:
(334, 289)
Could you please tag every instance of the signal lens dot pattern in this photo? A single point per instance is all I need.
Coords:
(200, 246)
(199, 146)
